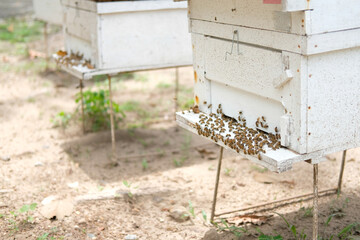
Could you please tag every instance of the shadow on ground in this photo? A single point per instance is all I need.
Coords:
(344, 209)
(138, 152)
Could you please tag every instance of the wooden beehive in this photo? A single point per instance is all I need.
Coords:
(296, 63)
(128, 35)
(49, 11)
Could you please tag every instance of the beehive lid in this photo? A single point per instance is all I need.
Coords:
(108, 7)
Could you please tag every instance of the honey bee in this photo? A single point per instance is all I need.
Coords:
(276, 129)
(183, 112)
(263, 118)
(266, 126)
(259, 157)
(210, 106)
(219, 105)
(196, 109)
(205, 102)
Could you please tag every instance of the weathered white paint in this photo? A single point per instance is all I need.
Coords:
(128, 35)
(333, 99)
(244, 69)
(202, 85)
(293, 16)
(296, 5)
(305, 45)
(48, 11)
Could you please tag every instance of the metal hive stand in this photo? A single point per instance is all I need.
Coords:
(316, 194)
(86, 74)
(277, 161)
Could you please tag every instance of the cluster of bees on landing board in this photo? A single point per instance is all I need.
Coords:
(74, 59)
(237, 135)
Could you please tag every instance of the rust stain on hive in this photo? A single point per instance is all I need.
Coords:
(195, 77)
(197, 100)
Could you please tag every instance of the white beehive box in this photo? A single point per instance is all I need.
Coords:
(49, 11)
(128, 35)
(296, 63)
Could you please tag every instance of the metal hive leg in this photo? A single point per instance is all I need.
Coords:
(341, 172)
(111, 120)
(216, 185)
(46, 44)
(316, 202)
(176, 91)
(82, 106)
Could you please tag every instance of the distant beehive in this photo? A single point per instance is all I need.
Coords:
(128, 35)
(296, 63)
(49, 11)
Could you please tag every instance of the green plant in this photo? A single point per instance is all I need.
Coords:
(162, 85)
(46, 236)
(144, 164)
(292, 228)
(268, 237)
(14, 216)
(307, 211)
(191, 209)
(228, 171)
(346, 233)
(337, 208)
(26, 209)
(237, 231)
(130, 188)
(186, 103)
(179, 162)
(43, 237)
(16, 30)
(61, 119)
(97, 109)
(204, 215)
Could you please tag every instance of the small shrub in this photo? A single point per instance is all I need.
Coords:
(61, 119)
(97, 109)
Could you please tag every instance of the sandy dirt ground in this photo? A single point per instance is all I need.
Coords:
(39, 161)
